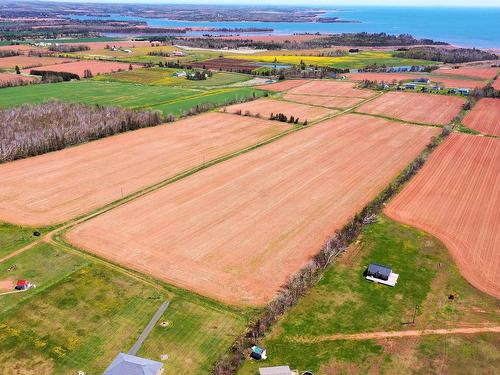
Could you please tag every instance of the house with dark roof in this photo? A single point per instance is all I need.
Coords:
(381, 274)
(126, 364)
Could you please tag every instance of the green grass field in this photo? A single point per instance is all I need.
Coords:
(167, 99)
(141, 55)
(352, 61)
(13, 237)
(344, 302)
(165, 77)
(83, 313)
(216, 97)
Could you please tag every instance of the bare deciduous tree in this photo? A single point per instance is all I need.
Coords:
(35, 129)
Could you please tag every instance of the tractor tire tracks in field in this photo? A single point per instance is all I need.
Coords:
(53, 235)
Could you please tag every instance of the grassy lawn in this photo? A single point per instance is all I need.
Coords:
(83, 313)
(196, 335)
(465, 354)
(218, 97)
(354, 61)
(172, 100)
(12, 237)
(42, 265)
(165, 77)
(344, 302)
(91, 92)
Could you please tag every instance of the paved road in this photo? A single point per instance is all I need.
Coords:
(148, 328)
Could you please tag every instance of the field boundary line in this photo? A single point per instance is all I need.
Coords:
(392, 334)
(199, 94)
(400, 120)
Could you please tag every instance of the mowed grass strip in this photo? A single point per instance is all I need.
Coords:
(82, 314)
(344, 302)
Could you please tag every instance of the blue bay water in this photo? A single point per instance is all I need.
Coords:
(467, 27)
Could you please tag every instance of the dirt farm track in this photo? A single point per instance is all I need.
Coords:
(456, 197)
(61, 185)
(238, 230)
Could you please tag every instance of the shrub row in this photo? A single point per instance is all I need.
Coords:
(45, 73)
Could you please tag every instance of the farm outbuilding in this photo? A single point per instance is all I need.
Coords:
(381, 274)
(23, 285)
(258, 353)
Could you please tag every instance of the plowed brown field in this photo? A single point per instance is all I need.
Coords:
(446, 82)
(29, 61)
(483, 73)
(326, 101)
(415, 107)
(496, 84)
(283, 85)
(265, 107)
(117, 44)
(456, 197)
(58, 186)
(238, 230)
(13, 78)
(485, 117)
(458, 83)
(385, 77)
(331, 88)
(95, 66)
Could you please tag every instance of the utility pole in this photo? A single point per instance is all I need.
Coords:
(415, 314)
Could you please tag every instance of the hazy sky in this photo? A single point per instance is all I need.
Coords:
(442, 3)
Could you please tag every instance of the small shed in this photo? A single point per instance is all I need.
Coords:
(258, 353)
(410, 85)
(126, 364)
(276, 370)
(23, 285)
(422, 80)
(381, 274)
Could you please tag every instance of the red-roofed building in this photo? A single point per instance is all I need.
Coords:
(23, 284)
